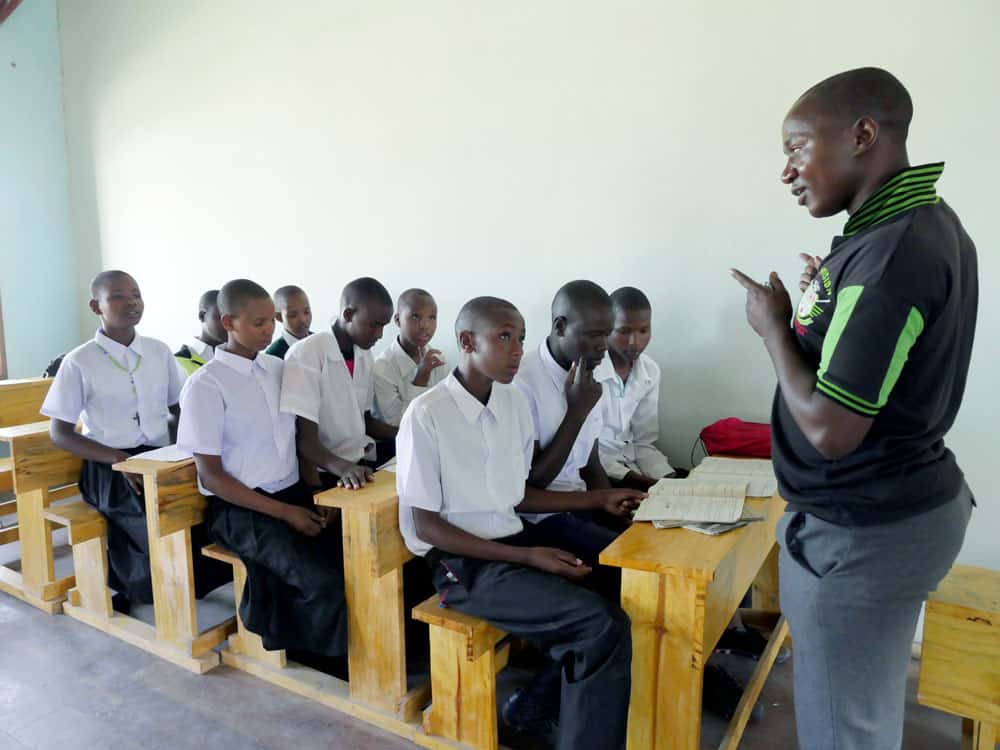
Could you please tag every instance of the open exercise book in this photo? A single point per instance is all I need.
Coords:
(758, 473)
(693, 500)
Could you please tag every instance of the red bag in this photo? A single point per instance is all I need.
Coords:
(734, 437)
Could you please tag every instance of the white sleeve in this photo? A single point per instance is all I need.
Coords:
(529, 397)
(66, 398)
(418, 463)
(203, 417)
(646, 431)
(388, 398)
(301, 390)
(175, 379)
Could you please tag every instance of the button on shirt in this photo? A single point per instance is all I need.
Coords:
(543, 381)
(318, 386)
(465, 461)
(121, 392)
(630, 411)
(394, 388)
(229, 408)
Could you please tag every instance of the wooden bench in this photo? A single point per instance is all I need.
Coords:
(960, 655)
(466, 654)
(88, 537)
(20, 403)
(41, 474)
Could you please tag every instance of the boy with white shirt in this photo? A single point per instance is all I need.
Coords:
(464, 454)
(295, 315)
(244, 449)
(629, 405)
(199, 350)
(328, 385)
(408, 367)
(125, 387)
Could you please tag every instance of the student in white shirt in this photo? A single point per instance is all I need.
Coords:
(464, 453)
(328, 386)
(408, 367)
(125, 388)
(244, 449)
(629, 405)
(293, 311)
(558, 381)
(199, 350)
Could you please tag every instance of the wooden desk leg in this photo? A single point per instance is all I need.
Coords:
(668, 626)
(376, 649)
(765, 588)
(173, 587)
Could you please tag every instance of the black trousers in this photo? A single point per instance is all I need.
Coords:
(109, 492)
(294, 597)
(587, 635)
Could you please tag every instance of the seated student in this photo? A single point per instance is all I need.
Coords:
(408, 367)
(558, 381)
(200, 350)
(630, 381)
(328, 386)
(244, 448)
(465, 451)
(126, 388)
(294, 314)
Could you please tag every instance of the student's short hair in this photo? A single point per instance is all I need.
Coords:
(208, 300)
(285, 293)
(410, 296)
(630, 298)
(864, 92)
(104, 279)
(480, 312)
(578, 295)
(365, 290)
(235, 294)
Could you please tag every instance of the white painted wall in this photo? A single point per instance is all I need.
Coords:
(505, 148)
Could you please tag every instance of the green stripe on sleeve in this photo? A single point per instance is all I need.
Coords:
(847, 299)
(911, 331)
(850, 403)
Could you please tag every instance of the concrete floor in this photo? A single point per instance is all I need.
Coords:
(68, 687)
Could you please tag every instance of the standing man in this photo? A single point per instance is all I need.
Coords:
(870, 379)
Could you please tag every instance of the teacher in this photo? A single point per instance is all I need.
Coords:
(870, 378)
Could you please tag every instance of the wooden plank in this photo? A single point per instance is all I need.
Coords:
(738, 724)
(83, 521)
(480, 635)
(11, 583)
(90, 566)
(382, 489)
(765, 591)
(986, 736)
(9, 534)
(388, 545)
(967, 587)
(668, 657)
(37, 562)
(21, 400)
(8, 507)
(6, 475)
(38, 464)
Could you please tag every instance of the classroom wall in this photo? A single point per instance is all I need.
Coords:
(37, 268)
(506, 148)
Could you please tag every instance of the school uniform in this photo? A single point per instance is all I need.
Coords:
(122, 394)
(294, 596)
(469, 463)
(321, 387)
(394, 388)
(888, 325)
(193, 355)
(280, 346)
(542, 380)
(631, 417)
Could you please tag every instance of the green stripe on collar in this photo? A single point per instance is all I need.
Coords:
(910, 188)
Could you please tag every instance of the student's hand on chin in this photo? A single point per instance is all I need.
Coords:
(557, 561)
(355, 477)
(769, 308)
(621, 502)
(582, 391)
(303, 520)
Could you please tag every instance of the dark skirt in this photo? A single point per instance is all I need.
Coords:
(294, 597)
(128, 541)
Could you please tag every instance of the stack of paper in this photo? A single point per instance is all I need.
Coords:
(757, 473)
(693, 501)
(168, 453)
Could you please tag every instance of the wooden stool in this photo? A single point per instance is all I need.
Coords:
(466, 654)
(960, 659)
(88, 538)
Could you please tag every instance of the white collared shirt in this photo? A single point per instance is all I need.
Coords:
(122, 392)
(543, 381)
(290, 338)
(394, 388)
(463, 460)
(631, 417)
(318, 386)
(229, 408)
(203, 350)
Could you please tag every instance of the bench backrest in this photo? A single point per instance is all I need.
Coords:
(20, 400)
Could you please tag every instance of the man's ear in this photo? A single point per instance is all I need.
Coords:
(277, 316)
(865, 132)
(201, 316)
(95, 307)
(467, 341)
(559, 325)
(348, 314)
(227, 322)
(395, 319)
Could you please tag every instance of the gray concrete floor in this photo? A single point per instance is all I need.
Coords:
(66, 686)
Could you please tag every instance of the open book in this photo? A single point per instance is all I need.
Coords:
(757, 473)
(693, 500)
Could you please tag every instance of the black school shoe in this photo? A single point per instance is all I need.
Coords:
(749, 643)
(721, 694)
(528, 723)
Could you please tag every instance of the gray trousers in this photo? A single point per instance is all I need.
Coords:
(852, 596)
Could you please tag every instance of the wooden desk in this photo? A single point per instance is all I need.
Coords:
(41, 474)
(681, 589)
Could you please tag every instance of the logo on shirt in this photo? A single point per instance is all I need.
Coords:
(816, 296)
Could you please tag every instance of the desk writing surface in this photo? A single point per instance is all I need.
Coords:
(682, 552)
(381, 490)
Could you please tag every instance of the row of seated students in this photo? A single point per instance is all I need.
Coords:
(514, 470)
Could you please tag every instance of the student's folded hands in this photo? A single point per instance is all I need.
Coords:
(557, 561)
(618, 502)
